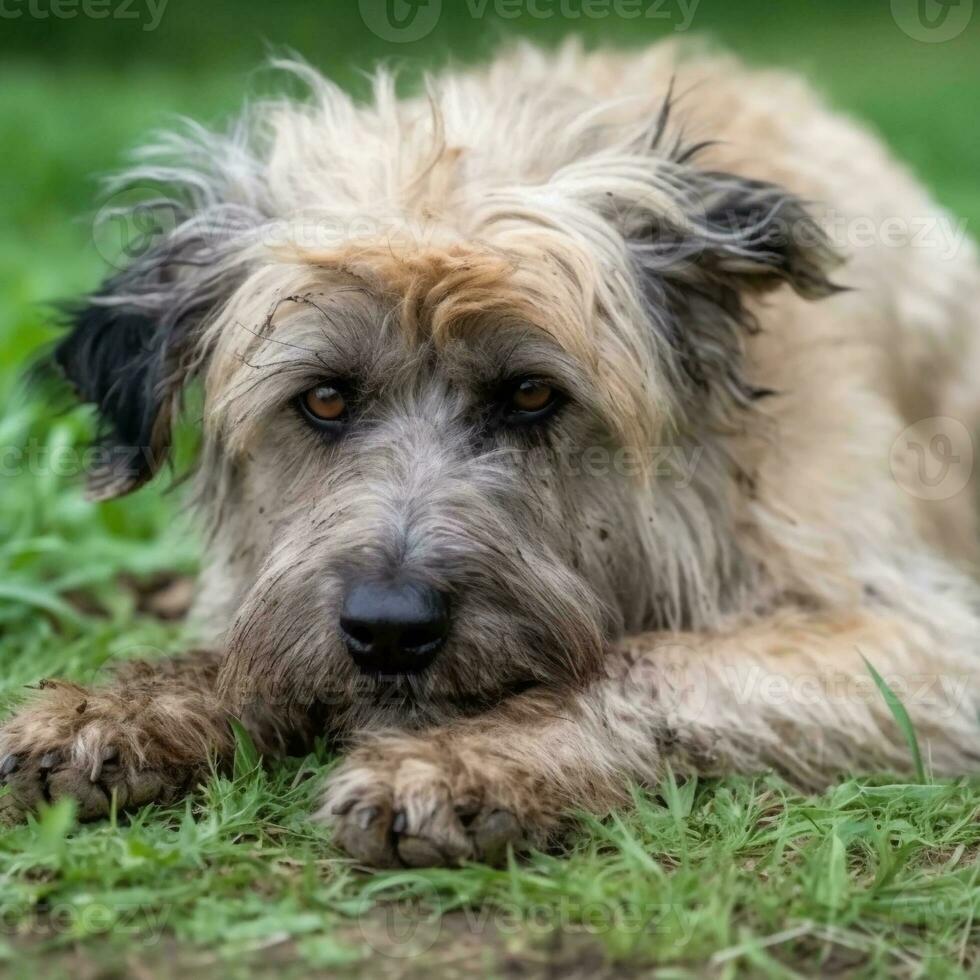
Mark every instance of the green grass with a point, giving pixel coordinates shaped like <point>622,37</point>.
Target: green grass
<point>724,878</point>
<point>875,877</point>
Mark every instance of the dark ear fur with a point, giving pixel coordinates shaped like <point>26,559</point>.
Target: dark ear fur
<point>125,352</point>
<point>129,349</point>
<point>736,237</point>
<point>756,236</point>
<point>113,358</point>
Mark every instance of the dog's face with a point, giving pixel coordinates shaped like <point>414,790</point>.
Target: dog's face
<point>427,458</point>
<point>415,461</point>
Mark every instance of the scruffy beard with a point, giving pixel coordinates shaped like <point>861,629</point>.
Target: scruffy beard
<point>348,701</point>
<point>285,654</point>
<point>409,702</point>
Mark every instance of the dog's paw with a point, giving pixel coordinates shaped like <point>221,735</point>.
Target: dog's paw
<point>91,746</point>
<point>411,802</point>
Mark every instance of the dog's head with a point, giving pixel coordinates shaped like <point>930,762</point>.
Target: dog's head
<point>452,394</point>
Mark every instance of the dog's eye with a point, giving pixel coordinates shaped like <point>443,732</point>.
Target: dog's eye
<point>324,405</point>
<point>529,400</point>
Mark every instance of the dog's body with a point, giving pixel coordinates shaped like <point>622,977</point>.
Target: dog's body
<point>600,406</point>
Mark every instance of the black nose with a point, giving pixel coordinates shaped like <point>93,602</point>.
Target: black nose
<point>393,627</point>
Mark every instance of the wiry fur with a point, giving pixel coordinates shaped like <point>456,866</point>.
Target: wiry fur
<point>658,258</point>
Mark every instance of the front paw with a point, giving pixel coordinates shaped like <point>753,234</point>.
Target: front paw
<point>94,747</point>
<point>410,802</point>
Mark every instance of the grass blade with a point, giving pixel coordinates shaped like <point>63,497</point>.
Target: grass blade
<point>247,758</point>
<point>901,717</point>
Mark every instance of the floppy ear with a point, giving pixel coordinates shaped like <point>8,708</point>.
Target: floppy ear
<point>752,235</point>
<point>129,349</point>
<point>727,237</point>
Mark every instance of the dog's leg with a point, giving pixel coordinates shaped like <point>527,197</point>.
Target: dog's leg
<point>147,736</point>
<point>790,693</point>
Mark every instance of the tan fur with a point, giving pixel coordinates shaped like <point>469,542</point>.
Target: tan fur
<point>622,621</point>
<point>147,737</point>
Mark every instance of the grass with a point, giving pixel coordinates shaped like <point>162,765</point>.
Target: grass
<point>872,877</point>
<point>734,877</point>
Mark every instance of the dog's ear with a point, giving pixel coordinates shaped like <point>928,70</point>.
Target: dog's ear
<point>722,239</point>
<point>130,347</point>
<point>750,235</point>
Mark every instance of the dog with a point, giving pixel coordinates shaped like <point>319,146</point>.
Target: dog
<point>559,430</point>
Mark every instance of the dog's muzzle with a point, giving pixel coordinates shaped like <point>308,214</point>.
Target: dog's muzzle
<point>393,627</point>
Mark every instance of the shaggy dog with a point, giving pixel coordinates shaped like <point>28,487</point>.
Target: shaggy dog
<point>555,432</point>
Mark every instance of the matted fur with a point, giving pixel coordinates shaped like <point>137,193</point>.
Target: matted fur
<point>693,560</point>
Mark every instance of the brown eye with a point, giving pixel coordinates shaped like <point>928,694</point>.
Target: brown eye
<point>324,403</point>
<point>531,396</point>
<point>529,401</point>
